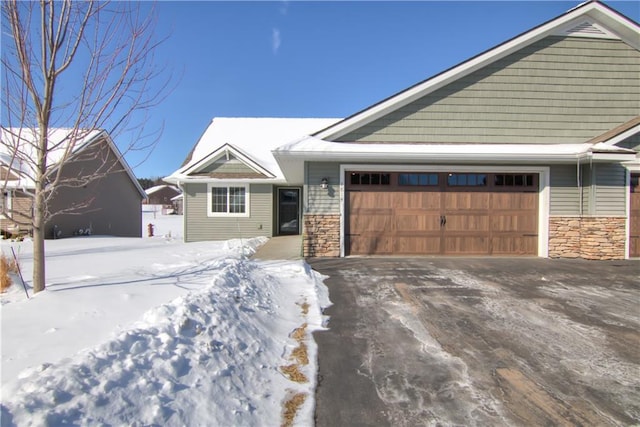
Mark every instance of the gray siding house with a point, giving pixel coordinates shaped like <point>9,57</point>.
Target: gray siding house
<point>232,186</point>
<point>108,204</point>
<point>530,148</point>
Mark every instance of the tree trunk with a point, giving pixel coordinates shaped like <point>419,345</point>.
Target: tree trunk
<point>38,257</point>
<point>39,210</point>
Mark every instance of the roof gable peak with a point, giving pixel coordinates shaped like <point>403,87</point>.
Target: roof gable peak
<point>591,19</point>
<point>586,28</point>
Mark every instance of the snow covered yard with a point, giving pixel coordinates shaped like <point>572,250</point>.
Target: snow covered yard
<point>154,331</point>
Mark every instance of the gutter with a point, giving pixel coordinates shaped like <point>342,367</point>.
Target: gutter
<point>455,157</point>
<point>188,180</point>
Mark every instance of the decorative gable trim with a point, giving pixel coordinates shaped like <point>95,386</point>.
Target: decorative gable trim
<point>226,152</point>
<point>588,29</point>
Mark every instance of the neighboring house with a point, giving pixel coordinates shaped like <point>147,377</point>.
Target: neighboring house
<point>177,204</point>
<point>161,195</point>
<point>110,203</point>
<point>530,148</point>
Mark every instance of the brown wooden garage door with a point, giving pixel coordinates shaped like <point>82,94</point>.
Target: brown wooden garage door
<point>634,217</point>
<point>441,213</point>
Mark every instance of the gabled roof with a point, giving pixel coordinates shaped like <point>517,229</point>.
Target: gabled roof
<point>592,19</point>
<point>17,147</point>
<point>157,188</point>
<point>226,151</point>
<point>250,140</point>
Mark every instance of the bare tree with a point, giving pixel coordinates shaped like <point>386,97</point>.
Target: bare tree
<point>84,67</point>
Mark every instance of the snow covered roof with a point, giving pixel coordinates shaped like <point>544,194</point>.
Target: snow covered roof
<point>251,139</point>
<point>291,155</point>
<point>18,149</point>
<point>157,188</point>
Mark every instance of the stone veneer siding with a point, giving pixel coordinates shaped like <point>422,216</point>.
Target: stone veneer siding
<point>321,236</point>
<point>589,237</point>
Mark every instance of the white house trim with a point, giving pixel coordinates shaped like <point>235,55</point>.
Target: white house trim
<point>226,149</point>
<point>247,201</point>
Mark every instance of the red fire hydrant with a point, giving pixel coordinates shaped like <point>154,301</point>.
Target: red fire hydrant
<point>150,230</point>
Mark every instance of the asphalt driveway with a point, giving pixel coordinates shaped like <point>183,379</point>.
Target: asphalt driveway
<point>479,341</point>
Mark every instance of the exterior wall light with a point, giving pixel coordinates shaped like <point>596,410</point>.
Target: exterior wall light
<point>324,183</point>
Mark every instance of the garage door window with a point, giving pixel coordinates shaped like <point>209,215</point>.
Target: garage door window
<point>359,178</point>
<point>467,180</point>
<point>514,180</point>
<point>421,179</point>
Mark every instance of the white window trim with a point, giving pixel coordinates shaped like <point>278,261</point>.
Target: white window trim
<point>543,192</point>
<point>247,200</point>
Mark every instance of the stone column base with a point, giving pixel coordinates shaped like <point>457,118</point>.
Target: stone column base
<point>597,238</point>
<point>321,236</point>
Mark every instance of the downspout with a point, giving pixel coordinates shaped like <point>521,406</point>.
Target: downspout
<point>579,185</point>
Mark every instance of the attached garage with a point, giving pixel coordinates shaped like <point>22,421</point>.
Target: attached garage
<point>441,213</point>
<point>524,149</point>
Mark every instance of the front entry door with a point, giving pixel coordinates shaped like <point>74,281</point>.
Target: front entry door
<point>288,211</point>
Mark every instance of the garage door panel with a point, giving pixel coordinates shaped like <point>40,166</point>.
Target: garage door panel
<point>416,201</point>
<point>369,244</point>
<point>417,245</point>
<point>372,223</point>
<point>514,245</point>
<point>471,201</point>
<point>514,222</point>
<point>466,223</point>
<point>416,222</point>
<point>515,201</point>
<point>466,245</point>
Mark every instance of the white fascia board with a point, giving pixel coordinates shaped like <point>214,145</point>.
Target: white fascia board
<point>627,30</point>
<point>633,165</point>
<point>617,24</point>
<point>413,157</point>
<point>622,136</point>
<point>184,179</point>
<point>610,157</point>
<point>222,150</point>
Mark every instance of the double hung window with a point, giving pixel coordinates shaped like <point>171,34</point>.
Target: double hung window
<point>232,200</point>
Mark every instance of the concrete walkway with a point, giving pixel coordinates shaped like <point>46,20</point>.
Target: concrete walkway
<point>280,247</point>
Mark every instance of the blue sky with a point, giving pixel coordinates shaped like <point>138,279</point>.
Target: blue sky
<point>315,59</point>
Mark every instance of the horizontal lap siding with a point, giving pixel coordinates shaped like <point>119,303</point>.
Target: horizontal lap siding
<point>603,190</point>
<point>317,199</point>
<point>222,165</point>
<point>559,90</point>
<point>115,200</point>
<point>564,192</point>
<point>610,190</point>
<point>199,227</point>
